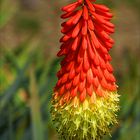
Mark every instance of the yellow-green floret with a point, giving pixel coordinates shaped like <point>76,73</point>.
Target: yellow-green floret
<point>86,121</point>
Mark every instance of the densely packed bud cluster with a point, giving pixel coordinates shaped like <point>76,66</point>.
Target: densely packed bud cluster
<point>85,97</point>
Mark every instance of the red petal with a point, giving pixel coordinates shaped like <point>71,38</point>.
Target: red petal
<point>90,6</point>
<point>86,64</point>
<point>90,50</point>
<point>102,63</point>
<point>99,72</point>
<point>90,90</point>
<point>90,24</point>
<point>79,67</point>
<point>82,86</point>
<point>89,76</point>
<point>82,75</point>
<point>66,37</point>
<point>103,13</point>
<point>96,60</point>
<point>84,43</point>
<point>95,81</point>
<point>72,73</point>
<point>109,67</point>
<point>104,83</point>
<point>77,17</point>
<point>70,7</point>
<point>83,95</point>
<point>94,40</point>
<point>74,92</point>
<point>62,90</point>
<point>69,14</point>
<point>76,29</point>
<point>76,80</point>
<point>109,76</point>
<point>101,7</point>
<point>84,28</point>
<point>99,91</point>
<point>75,43</point>
<point>85,13</point>
<point>68,85</point>
<point>66,96</point>
<point>64,78</point>
<point>70,66</point>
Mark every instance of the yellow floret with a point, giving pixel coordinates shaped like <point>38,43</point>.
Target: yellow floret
<point>87,120</point>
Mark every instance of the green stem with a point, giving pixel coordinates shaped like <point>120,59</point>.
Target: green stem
<point>37,126</point>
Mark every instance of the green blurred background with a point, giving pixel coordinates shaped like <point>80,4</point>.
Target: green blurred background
<point>29,41</point>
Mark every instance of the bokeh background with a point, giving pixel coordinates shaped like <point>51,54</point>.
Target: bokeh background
<point>29,41</point>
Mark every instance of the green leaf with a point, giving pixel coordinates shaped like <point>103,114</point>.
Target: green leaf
<point>7,10</point>
<point>37,124</point>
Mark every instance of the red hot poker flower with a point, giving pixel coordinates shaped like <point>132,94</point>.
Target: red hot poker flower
<point>85,44</point>
<point>86,75</point>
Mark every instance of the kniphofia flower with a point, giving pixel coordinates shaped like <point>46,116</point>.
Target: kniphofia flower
<point>85,99</point>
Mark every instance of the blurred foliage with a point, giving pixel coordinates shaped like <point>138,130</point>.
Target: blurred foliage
<point>29,34</point>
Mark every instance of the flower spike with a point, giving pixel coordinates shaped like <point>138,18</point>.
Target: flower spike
<point>85,99</point>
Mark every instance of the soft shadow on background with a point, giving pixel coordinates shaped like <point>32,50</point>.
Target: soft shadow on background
<point>29,41</point>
